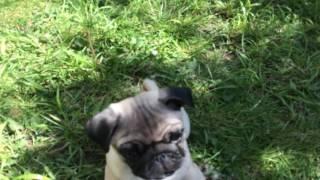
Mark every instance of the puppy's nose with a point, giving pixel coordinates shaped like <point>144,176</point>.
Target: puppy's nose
<point>169,161</point>
<point>163,158</point>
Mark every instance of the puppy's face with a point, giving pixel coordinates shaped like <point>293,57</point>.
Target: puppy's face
<point>146,130</point>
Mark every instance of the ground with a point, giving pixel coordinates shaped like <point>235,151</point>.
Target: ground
<point>253,66</point>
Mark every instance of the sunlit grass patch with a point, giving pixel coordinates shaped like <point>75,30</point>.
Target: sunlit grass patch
<point>288,164</point>
<point>278,161</point>
<point>253,67</point>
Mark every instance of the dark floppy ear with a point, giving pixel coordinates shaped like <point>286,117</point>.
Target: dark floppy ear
<point>176,97</point>
<point>102,127</point>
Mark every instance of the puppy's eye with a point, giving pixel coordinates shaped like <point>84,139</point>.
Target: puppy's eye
<point>174,136</point>
<point>132,149</point>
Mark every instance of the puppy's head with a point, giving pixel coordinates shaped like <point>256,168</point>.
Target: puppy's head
<point>145,130</point>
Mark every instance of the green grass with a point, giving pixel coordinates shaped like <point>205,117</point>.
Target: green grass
<point>253,66</point>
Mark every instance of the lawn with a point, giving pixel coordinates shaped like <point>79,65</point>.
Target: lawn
<point>253,66</point>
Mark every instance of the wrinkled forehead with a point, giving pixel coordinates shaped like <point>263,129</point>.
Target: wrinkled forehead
<point>144,116</point>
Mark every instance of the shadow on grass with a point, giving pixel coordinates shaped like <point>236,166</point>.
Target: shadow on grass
<point>69,154</point>
<point>303,8</point>
<point>235,122</point>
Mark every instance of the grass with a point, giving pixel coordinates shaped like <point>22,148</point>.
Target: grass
<point>253,66</point>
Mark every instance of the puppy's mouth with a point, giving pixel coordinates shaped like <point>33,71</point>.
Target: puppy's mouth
<point>160,166</point>
<point>157,176</point>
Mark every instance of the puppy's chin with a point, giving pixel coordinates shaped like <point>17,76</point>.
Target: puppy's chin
<point>161,177</point>
<point>155,176</point>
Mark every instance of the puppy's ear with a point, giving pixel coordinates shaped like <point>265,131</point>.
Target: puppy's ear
<point>175,98</point>
<point>149,85</point>
<point>102,127</point>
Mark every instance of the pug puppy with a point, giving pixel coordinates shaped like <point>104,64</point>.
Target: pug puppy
<point>145,136</point>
